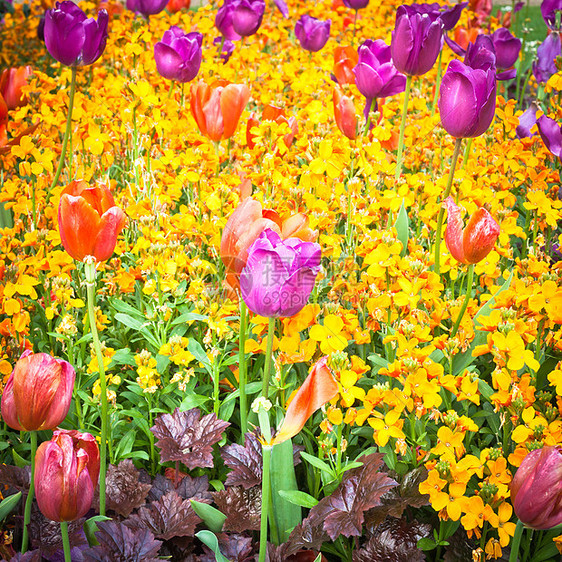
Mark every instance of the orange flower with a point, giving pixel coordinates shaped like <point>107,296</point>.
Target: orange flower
<point>89,221</point>
<point>174,6</point>
<point>272,113</point>
<point>318,388</point>
<point>217,110</point>
<point>344,112</point>
<point>345,58</point>
<point>11,83</point>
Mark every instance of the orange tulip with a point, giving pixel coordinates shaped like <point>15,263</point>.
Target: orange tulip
<point>272,113</point>
<point>318,388</point>
<point>344,112</point>
<point>11,83</point>
<point>89,221</point>
<point>345,58</point>
<point>174,6</point>
<point>245,225</point>
<point>217,110</point>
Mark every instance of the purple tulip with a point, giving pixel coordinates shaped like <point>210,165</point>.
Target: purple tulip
<point>312,33</point>
<point>375,74</point>
<point>467,100</point>
<point>549,8</point>
<point>551,134</point>
<point>545,66</point>
<point>224,52</point>
<point>416,41</point>
<point>481,54</point>
<point>146,7</point>
<point>223,20</point>
<point>356,4</point>
<point>281,5</point>
<point>507,47</point>
<point>178,55</point>
<point>247,16</point>
<point>279,275</point>
<point>448,15</point>
<point>73,39</point>
<point>536,489</point>
<point>527,120</point>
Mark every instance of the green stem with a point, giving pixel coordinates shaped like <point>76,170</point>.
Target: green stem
<point>66,132</point>
<point>368,123</point>
<point>65,541</point>
<point>466,153</point>
<point>402,128</point>
<point>456,152</point>
<point>466,299</point>
<point>242,368</point>
<point>516,542</point>
<point>90,270</point>
<point>29,500</point>
<point>437,83</point>
<point>265,497</point>
<point>268,354</point>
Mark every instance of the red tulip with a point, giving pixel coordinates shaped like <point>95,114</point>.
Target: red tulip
<point>174,6</point>
<point>89,221</point>
<point>38,393</point>
<point>344,112</point>
<point>11,83</point>
<point>476,241</point>
<point>345,59</point>
<point>318,388</point>
<point>66,473</point>
<point>217,110</point>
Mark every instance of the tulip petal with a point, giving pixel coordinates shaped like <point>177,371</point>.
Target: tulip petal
<point>296,290</point>
<point>9,414</point>
<point>454,230</point>
<point>232,103</point>
<point>551,134</point>
<point>479,236</point>
<point>318,388</point>
<point>168,61</point>
<point>111,224</point>
<point>63,397</point>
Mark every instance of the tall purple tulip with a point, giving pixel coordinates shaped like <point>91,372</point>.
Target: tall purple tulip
<point>551,134</point>
<point>481,54</point>
<point>375,73</point>
<point>247,16</point>
<point>312,33</point>
<point>536,489</point>
<point>178,55</point>
<point>416,41</point>
<point>279,275</point>
<point>544,67</point>
<point>448,15</point>
<point>507,47</point>
<point>527,120</point>
<point>356,4</point>
<point>146,7</point>
<point>223,20</point>
<point>73,39</point>
<point>467,100</point>
<point>548,11</point>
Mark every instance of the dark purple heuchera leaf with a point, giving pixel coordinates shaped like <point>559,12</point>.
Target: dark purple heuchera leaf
<point>187,437</point>
<point>241,507</point>
<point>118,542</point>
<point>15,477</point>
<point>171,516</point>
<point>237,548</point>
<point>396,500</point>
<point>29,556</point>
<point>44,534</point>
<point>124,492</point>
<point>245,462</point>
<point>189,488</point>
<point>395,540</point>
<point>361,489</point>
<point>309,535</point>
<point>460,548</point>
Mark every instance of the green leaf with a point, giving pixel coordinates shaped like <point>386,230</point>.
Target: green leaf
<point>427,544</point>
<point>211,516</point>
<point>90,528</point>
<point>123,357</point>
<point>129,321</point>
<point>198,352</point>
<point>19,461</point>
<point>297,497</point>
<point>316,462</point>
<point>378,361</point>
<point>189,317</point>
<point>8,504</point>
<point>402,228</point>
<point>210,540</point>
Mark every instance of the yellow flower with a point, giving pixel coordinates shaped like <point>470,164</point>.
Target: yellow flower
<point>329,334</point>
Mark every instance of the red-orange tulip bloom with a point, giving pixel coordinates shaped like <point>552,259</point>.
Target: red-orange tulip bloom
<point>245,225</point>
<point>476,241</point>
<point>272,113</point>
<point>344,112</point>
<point>217,110</point>
<point>89,221</point>
<point>345,59</point>
<point>318,388</point>
<point>174,6</point>
<point>11,83</point>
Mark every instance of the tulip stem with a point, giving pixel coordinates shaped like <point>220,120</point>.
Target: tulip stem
<point>437,83</point>
<point>66,132</point>
<point>368,122</point>
<point>456,152</point>
<point>466,299</point>
<point>466,154</point>
<point>268,354</point>
<point>65,541</point>
<point>242,368</point>
<point>516,542</point>
<point>90,270</point>
<point>265,498</point>
<point>30,494</point>
<point>402,129</point>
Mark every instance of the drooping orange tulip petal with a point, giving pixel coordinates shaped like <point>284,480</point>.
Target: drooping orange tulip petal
<point>480,236</point>
<point>272,112</point>
<point>453,232</point>
<point>214,115</point>
<point>345,58</point>
<point>11,83</point>
<point>199,95</point>
<point>233,101</point>
<point>111,224</point>
<point>272,216</point>
<point>297,227</point>
<point>344,113</point>
<point>318,388</point>
<point>79,225</point>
